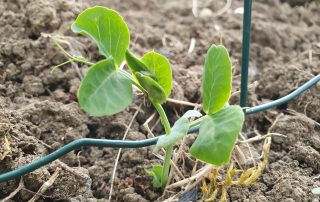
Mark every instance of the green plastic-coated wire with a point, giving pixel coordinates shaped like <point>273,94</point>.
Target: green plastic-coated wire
<point>143,143</point>
<point>245,52</point>
<point>284,99</point>
<point>72,146</point>
<point>138,143</point>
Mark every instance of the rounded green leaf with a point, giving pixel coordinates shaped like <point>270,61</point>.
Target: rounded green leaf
<point>178,131</point>
<point>192,113</point>
<point>217,136</point>
<point>156,174</point>
<point>107,28</point>
<point>159,66</point>
<point>154,90</point>
<point>153,65</point>
<point>135,64</point>
<point>104,90</point>
<point>217,81</point>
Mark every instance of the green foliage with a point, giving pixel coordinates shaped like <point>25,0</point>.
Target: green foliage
<point>159,66</point>
<point>136,65</point>
<point>107,28</point>
<point>104,90</point>
<point>156,173</point>
<point>153,73</point>
<point>220,128</point>
<point>155,91</point>
<point>178,131</point>
<point>216,84</point>
<point>217,136</point>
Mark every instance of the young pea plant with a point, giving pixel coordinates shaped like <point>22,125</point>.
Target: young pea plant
<point>107,89</point>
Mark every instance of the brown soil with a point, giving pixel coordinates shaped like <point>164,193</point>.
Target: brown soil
<point>39,112</point>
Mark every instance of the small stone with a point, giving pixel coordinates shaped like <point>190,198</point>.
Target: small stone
<point>206,12</point>
<point>33,85</point>
<point>134,198</point>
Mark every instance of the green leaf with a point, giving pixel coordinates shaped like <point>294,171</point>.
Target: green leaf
<point>107,28</point>
<point>154,90</point>
<point>153,65</point>
<point>160,67</point>
<point>136,65</point>
<point>192,113</point>
<point>156,173</point>
<point>104,90</point>
<point>178,131</point>
<point>217,81</point>
<point>217,136</point>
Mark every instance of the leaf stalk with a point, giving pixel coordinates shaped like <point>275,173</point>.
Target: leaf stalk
<point>169,150</point>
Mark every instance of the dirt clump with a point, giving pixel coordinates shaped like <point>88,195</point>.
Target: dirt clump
<point>25,145</point>
<point>39,112</point>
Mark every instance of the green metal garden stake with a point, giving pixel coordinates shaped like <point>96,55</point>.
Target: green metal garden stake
<point>245,52</point>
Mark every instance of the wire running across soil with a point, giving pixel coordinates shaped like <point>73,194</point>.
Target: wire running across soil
<point>139,143</point>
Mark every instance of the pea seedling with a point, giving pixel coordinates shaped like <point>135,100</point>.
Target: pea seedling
<point>107,89</point>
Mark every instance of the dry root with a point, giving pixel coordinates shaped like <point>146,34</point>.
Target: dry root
<point>46,185</point>
<point>211,187</point>
<point>6,148</point>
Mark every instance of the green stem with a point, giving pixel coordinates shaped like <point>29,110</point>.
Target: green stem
<point>163,117</point>
<point>196,122</point>
<point>68,55</point>
<point>82,60</point>
<point>85,61</point>
<point>60,65</point>
<point>168,155</point>
<point>166,166</point>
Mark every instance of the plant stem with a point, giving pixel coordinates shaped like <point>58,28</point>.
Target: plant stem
<point>168,155</point>
<point>163,117</point>
<point>60,65</point>
<point>166,166</point>
<point>68,55</point>
<point>196,122</point>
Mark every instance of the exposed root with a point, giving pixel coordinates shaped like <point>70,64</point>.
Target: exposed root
<point>239,156</point>
<point>119,152</point>
<point>6,148</point>
<point>224,9</point>
<point>192,45</point>
<point>8,198</point>
<point>88,180</point>
<point>262,137</point>
<point>46,185</point>
<point>250,151</point>
<point>194,8</point>
<point>183,102</point>
<point>75,48</point>
<point>180,175</point>
<point>172,163</point>
<point>251,86</point>
<point>202,172</point>
<point>248,177</point>
<point>178,155</point>
<point>146,124</point>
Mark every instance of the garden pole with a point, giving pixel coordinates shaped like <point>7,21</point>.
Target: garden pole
<point>245,52</point>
